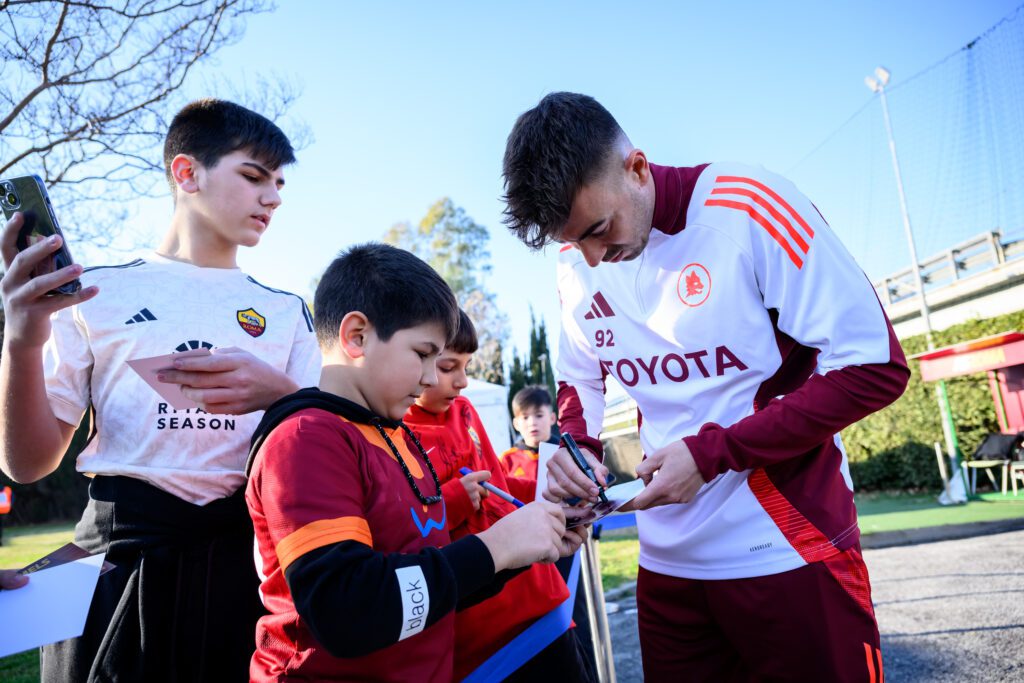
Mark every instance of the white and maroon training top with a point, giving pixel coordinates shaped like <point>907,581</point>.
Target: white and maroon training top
<point>746,329</point>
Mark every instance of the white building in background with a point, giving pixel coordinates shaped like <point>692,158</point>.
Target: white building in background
<point>491,403</point>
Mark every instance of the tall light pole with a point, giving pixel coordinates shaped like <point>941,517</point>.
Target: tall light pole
<point>877,84</point>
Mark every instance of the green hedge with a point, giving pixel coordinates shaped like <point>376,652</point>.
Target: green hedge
<point>894,448</point>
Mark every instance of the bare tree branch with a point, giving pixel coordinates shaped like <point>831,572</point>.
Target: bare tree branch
<point>53,39</point>
<point>88,89</point>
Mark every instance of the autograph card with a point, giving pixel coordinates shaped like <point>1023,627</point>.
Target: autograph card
<point>618,497</point>
<point>147,369</point>
<point>52,606</point>
<point>62,555</point>
<point>544,453</point>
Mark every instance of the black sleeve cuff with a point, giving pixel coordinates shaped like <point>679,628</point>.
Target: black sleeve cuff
<point>493,587</point>
<point>470,562</point>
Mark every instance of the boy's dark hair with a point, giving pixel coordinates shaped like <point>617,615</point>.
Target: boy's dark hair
<point>553,150</point>
<point>533,396</point>
<point>392,288</point>
<point>465,340</point>
<point>210,129</point>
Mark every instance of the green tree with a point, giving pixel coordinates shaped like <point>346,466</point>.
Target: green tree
<point>456,247</point>
<point>536,366</point>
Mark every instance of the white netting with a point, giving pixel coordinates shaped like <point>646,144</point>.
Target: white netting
<point>959,131</point>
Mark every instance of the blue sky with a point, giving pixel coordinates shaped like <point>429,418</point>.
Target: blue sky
<point>409,102</point>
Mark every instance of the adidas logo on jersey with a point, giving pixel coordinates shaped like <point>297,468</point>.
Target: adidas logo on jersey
<point>599,308</point>
<point>766,208</point>
<point>140,317</point>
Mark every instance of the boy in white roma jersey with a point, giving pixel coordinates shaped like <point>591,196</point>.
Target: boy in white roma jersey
<point>166,502</point>
<point>721,300</point>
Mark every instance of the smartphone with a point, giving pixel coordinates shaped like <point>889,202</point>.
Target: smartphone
<point>28,195</point>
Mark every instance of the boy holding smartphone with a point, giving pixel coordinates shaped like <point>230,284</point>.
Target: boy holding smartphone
<point>166,499</point>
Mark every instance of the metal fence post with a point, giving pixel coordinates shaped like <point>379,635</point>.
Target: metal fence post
<point>593,589</point>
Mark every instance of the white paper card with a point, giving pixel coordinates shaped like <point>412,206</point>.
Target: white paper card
<point>51,607</point>
<point>544,453</point>
<point>618,497</point>
<point>147,369</point>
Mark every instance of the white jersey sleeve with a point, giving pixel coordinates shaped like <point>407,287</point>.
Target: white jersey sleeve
<point>304,360</point>
<point>804,272</point>
<point>822,301</point>
<point>67,366</point>
<point>580,399</point>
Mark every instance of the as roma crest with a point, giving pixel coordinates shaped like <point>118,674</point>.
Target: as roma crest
<point>694,285</point>
<point>252,322</point>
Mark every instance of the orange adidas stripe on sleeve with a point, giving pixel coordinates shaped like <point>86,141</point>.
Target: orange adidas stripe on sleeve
<point>764,223</point>
<point>771,193</point>
<point>760,201</point>
<point>320,533</point>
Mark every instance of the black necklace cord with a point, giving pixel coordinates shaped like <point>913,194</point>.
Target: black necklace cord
<point>426,500</point>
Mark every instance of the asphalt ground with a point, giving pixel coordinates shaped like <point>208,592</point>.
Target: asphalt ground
<point>948,611</point>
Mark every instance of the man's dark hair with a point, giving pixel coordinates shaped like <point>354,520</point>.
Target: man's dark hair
<point>210,129</point>
<point>465,340</point>
<point>392,288</point>
<point>553,150</point>
<point>533,396</point>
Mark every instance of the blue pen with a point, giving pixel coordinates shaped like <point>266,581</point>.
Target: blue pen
<point>504,495</point>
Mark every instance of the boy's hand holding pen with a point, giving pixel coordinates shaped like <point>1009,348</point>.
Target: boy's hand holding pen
<point>474,484</point>
<point>491,488</point>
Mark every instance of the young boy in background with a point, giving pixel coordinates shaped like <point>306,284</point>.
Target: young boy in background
<point>533,417</point>
<point>360,575</point>
<point>166,501</point>
<point>449,428</point>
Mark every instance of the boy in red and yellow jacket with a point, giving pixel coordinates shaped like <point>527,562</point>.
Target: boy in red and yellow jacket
<point>359,574</point>
<point>452,433</point>
<point>533,418</point>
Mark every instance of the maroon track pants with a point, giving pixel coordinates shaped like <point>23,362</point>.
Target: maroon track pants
<point>813,624</point>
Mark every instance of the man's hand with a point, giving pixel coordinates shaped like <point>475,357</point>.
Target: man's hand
<point>230,381</point>
<point>678,478</point>
<point>471,482</point>
<point>567,480</point>
<point>11,579</point>
<point>26,305</point>
<point>530,534</point>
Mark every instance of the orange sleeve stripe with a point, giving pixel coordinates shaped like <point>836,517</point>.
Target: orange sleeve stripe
<point>320,533</point>
<point>870,657</point>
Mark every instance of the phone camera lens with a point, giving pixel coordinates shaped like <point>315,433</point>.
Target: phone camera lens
<point>12,199</point>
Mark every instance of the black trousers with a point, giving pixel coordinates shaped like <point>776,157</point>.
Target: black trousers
<point>182,602</point>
